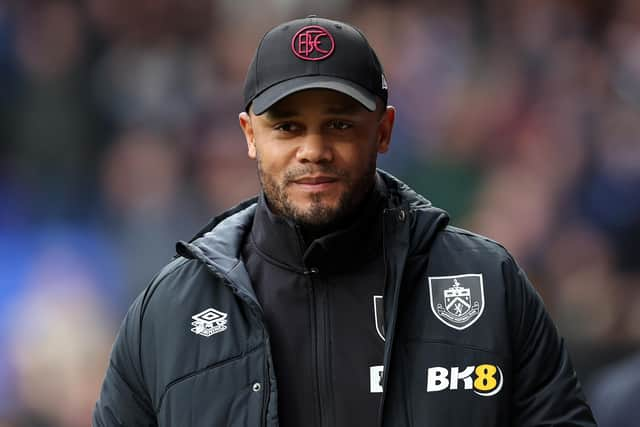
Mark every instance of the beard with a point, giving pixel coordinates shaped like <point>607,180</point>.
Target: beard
<point>318,214</point>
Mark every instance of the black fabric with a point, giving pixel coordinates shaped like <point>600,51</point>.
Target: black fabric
<point>164,372</point>
<point>317,299</point>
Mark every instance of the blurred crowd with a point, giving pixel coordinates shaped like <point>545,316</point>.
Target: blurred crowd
<point>119,136</point>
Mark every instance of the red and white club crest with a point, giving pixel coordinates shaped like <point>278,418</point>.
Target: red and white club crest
<point>312,43</point>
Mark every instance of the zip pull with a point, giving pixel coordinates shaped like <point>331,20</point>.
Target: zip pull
<point>312,270</point>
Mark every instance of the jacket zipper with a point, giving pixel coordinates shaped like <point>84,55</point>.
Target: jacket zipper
<point>267,383</point>
<point>387,337</point>
<point>321,342</point>
<point>389,328</point>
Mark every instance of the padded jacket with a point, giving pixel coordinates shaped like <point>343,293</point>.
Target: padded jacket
<point>468,341</point>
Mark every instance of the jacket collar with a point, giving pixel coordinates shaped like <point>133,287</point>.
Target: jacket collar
<point>219,243</point>
<point>281,242</point>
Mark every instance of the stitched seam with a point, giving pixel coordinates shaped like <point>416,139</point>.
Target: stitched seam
<point>150,291</point>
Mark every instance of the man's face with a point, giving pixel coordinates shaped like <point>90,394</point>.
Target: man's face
<point>316,152</point>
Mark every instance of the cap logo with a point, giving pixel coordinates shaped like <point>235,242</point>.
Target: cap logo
<point>312,43</point>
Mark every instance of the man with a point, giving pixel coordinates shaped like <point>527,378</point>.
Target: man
<point>338,297</point>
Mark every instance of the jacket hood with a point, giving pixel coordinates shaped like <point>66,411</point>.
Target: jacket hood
<point>220,241</point>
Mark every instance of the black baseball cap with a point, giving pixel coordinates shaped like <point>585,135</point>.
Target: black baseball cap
<point>314,53</point>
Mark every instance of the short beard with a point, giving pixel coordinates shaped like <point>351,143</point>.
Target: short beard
<point>317,216</point>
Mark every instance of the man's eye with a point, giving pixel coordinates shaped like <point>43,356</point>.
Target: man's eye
<point>340,125</point>
<point>286,127</point>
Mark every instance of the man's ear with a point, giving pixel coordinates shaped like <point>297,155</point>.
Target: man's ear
<point>249,136</point>
<point>385,127</point>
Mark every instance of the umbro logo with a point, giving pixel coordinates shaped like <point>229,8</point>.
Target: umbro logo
<point>209,322</point>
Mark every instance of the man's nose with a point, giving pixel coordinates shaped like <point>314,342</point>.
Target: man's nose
<point>315,148</point>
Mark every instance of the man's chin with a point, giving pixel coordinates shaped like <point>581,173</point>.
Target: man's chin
<point>316,216</point>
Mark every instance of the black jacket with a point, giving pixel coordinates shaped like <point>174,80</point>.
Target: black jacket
<point>467,339</point>
<point>319,294</point>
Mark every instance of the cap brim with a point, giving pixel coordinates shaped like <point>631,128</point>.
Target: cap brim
<point>275,93</point>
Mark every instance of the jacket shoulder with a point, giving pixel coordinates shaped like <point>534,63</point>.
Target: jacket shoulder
<point>166,280</point>
<point>460,240</point>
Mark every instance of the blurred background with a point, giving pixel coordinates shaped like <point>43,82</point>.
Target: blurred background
<point>119,136</point>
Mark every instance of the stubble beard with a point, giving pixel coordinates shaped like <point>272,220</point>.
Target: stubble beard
<point>316,215</point>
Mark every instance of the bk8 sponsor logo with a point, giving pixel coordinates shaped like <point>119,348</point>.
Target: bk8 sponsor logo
<point>484,380</point>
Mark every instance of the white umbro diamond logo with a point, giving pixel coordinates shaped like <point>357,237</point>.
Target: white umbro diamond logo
<point>209,322</point>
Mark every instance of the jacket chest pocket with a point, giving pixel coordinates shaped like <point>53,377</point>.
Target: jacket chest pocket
<point>230,393</point>
<point>452,385</point>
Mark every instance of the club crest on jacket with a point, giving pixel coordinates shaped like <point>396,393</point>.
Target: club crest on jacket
<point>457,301</point>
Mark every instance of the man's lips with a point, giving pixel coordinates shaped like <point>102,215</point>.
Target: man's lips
<point>315,183</point>
<point>315,180</point>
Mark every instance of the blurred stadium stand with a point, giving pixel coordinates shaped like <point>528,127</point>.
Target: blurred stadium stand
<point>118,136</point>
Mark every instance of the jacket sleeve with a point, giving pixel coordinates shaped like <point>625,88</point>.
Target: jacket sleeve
<point>124,400</point>
<point>546,389</point>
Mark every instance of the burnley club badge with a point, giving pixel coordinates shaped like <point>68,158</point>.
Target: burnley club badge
<point>457,301</point>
